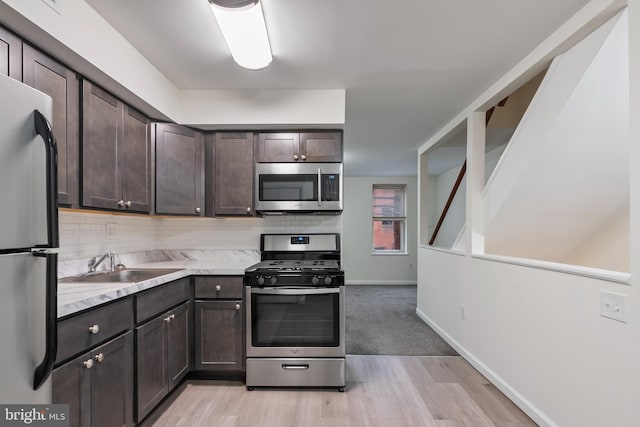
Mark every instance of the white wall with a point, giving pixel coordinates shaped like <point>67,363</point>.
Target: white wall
<point>535,333</point>
<point>608,248</point>
<point>360,266</point>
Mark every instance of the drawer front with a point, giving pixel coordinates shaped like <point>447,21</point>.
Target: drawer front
<point>298,372</point>
<point>159,299</point>
<point>219,287</point>
<point>79,333</point>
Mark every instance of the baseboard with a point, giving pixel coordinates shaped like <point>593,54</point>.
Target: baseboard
<point>380,282</point>
<point>520,401</point>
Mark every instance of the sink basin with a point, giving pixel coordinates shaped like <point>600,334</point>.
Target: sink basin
<point>126,275</point>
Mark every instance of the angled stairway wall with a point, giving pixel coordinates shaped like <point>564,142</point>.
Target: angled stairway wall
<point>565,170</point>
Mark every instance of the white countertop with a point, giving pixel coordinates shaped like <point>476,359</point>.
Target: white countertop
<point>77,296</point>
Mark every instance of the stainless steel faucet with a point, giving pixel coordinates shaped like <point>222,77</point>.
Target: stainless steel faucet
<point>97,260</point>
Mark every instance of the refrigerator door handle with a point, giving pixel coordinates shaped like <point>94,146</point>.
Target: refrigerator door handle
<point>43,370</point>
<point>43,128</point>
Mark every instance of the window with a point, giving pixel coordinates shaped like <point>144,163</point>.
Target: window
<point>389,235</point>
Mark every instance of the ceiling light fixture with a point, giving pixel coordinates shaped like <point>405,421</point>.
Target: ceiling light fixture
<point>242,25</point>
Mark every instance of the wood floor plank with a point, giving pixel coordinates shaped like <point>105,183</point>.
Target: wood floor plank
<point>382,391</point>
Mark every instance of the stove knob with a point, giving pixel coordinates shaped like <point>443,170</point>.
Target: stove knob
<point>315,281</point>
<point>274,280</point>
<point>260,280</point>
<point>327,280</point>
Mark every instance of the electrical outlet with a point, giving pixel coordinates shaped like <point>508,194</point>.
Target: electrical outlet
<point>463,312</point>
<point>613,306</point>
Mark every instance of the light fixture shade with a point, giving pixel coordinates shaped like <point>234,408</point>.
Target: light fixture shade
<point>245,32</point>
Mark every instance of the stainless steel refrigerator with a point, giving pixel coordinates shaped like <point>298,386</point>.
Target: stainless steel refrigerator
<point>28,238</point>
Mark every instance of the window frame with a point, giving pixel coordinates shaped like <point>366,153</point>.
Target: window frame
<point>400,219</point>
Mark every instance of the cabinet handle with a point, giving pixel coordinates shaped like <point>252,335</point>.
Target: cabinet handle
<point>218,288</point>
<point>303,157</point>
<point>127,204</point>
<point>172,316</point>
<point>167,319</point>
<point>88,363</point>
<point>197,210</point>
<point>248,210</point>
<point>121,203</point>
<point>295,157</point>
<point>94,329</point>
<point>238,306</point>
<point>99,357</point>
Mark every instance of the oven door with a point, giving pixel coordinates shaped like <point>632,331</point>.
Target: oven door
<point>295,322</point>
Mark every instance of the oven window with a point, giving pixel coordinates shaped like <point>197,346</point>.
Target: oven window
<point>295,320</point>
<point>288,188</point>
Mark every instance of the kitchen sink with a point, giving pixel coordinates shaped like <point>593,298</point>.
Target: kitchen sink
<point>126,275</point>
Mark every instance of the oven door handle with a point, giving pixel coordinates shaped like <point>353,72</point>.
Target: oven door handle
<point>296,291</point>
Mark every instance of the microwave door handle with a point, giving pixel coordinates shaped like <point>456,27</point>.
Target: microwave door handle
<point>319,187</point>
<point>43,128</point>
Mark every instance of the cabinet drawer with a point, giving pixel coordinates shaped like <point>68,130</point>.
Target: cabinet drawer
<point>161,298</point>
<point>79,333</point>
<point>222,287</point>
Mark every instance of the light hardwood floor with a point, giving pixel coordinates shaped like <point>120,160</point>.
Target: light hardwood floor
<point>382,391</point>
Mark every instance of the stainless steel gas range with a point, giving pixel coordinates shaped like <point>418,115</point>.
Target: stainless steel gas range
<point>295,313</point>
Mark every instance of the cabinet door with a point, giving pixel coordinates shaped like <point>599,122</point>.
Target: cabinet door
<point>62,85</point>
<point>234,169</point>
<point>135,161</point>
<point>112,383</point>
<point>151,365</point>
<point>71,385</point>
<point>10,54</point>
<point>179,170</point>
<point>101,131</point>
<point>278,147</point>
<point>321,147</point>
<point>178,344</point>
<point>218,336</point>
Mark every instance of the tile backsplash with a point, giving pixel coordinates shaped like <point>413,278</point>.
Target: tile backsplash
<point>86,234</point>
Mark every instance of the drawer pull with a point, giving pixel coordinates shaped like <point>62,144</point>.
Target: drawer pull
<point>88,363</point>
<point>94,329</point>
<point>99,357</point>
<point>238,306</point>
<point>295,367</point>
<point>218,288</point>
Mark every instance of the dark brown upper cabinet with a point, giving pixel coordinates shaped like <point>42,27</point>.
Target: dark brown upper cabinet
<point>180,175</point>
<point>62,85</point>
<point>300,147</point>
<point>136,161</point>
<point>230,169</point>
<point>115,153</point>
<point>10,54</point>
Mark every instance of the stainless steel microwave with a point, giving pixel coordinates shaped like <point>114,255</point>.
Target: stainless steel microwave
<point>298,188</point>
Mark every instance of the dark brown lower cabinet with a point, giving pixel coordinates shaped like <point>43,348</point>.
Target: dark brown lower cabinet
<point>219,335</point>
<point>162,357</point>
<point>98,385</point>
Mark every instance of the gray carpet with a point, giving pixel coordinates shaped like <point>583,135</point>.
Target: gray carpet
<point>382,320</point>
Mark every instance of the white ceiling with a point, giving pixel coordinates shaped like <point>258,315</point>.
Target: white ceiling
<point>408,67</point>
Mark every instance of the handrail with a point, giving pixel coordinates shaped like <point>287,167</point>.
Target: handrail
<point>447,205</point>
<point>456,185</point>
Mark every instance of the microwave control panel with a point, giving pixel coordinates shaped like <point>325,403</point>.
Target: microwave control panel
<point>330,187</point>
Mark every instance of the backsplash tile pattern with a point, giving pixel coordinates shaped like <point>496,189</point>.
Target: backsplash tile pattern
<point>83,235</point>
